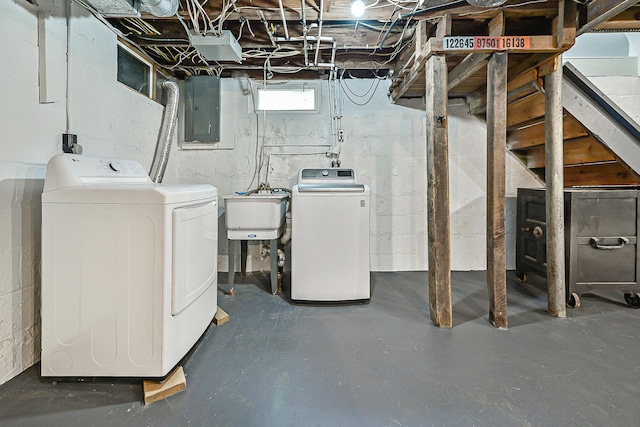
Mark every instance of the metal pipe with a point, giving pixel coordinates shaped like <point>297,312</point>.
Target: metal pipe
<point>167,131</point>
<point>334,48</point>
<point>315,62</point>
<point>161,8</point>
<point>554,177</point>
<point>304,35</point>
<point>284,21</point>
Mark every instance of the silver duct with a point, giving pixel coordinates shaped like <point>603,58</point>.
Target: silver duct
<point>167,131</point>
<point>161,8</point>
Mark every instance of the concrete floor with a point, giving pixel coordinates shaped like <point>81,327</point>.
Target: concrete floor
<point>380,364</point>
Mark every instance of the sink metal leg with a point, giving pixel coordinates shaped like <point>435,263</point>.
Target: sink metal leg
<point>231,248</point>
<point>243,258</point>
<point>274,266</point>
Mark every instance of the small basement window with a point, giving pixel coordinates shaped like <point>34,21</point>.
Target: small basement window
<point>288,98</point>
<point>134,71</point>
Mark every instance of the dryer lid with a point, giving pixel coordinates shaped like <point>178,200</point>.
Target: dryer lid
<point>72,170</point>
<point>72,178</point>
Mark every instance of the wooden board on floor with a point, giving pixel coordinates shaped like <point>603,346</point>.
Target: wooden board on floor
<point>158,390</point>
<point>221,317</point>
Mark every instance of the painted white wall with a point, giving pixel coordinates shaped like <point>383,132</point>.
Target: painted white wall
<point>606,54</point>
<point>385,144</point>
<point>602,55</point>
<point>109,118</point>
<point>624,91</point>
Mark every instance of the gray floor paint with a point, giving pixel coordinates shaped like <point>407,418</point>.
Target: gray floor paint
<point>380,364</point>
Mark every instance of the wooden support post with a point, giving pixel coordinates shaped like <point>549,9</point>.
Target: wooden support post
<point>496,192</point>
<point>438,192</point>
<point>554,177</point>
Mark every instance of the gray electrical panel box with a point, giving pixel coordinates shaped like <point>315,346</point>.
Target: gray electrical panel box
<point>202,109</point>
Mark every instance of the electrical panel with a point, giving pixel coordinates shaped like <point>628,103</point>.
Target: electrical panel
<point>202,109</point>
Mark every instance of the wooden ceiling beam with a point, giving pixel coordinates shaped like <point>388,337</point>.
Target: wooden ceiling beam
<point>475,61</point>
<point>598,11</point>
<point>619,25</point>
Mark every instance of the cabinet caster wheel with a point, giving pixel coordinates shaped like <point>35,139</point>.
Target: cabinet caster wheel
<point>633,300</point>
<point>573,301</point>
<point>521,277</point>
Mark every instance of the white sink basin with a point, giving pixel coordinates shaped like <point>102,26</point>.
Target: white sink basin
<point>255,217</point>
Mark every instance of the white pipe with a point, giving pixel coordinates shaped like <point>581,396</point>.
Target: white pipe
<point>284,21</point>
<point>299,39</point>
<point>167,131</point>
<point>286,236</point>
<point>297,145</point>
<point>161,8</point>
<point>317,39</point>
<point>319,32</point>
<point>333,52</point>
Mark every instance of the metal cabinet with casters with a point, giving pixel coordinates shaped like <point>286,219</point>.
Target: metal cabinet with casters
<point>601,231</point>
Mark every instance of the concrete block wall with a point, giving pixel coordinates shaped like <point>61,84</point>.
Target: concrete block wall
<point>109,118</point>
<point>385,144</point>
<point>624,91</point>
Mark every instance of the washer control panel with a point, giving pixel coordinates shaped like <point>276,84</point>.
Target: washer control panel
<point>336,176</point>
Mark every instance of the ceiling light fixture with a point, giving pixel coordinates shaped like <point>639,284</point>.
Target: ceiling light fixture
<point>357,8</point>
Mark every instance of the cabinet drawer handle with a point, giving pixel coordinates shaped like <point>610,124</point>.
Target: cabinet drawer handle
<point>595,242</point>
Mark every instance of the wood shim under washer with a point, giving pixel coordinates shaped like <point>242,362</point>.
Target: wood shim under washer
<point>221,317</point>
<point>158,390</point>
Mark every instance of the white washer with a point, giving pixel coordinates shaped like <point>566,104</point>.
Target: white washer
<point>129,269</point>
<point>330,237</point>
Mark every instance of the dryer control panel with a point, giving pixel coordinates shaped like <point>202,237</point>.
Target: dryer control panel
<point>72,170</point>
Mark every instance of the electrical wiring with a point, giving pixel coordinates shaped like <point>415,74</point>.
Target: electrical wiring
<point>133,23</point>
<point>151,29</point>
<point>243,21</point>
<point>159,52</point>
<point>287,70</point>
<point>370,92</point>
<point>398,4</point>
<point>132,30</point>
<point>505,6</point>
<point>419,12</point>
<point>287,154</point>
<point>260,54</point>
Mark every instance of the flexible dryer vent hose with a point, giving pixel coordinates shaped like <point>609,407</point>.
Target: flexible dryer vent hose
<point>167,131</point>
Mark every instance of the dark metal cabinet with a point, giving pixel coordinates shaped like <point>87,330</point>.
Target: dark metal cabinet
<point>601,231</point>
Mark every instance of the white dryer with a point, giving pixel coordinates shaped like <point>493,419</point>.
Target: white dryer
<point>330,237</point>
<point>129,269</point>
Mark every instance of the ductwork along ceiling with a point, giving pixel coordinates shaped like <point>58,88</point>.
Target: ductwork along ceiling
<point>311,38</point>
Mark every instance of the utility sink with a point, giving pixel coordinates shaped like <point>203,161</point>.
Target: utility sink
<point>258,216</point>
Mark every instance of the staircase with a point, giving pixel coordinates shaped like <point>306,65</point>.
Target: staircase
<point>601,143</point>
